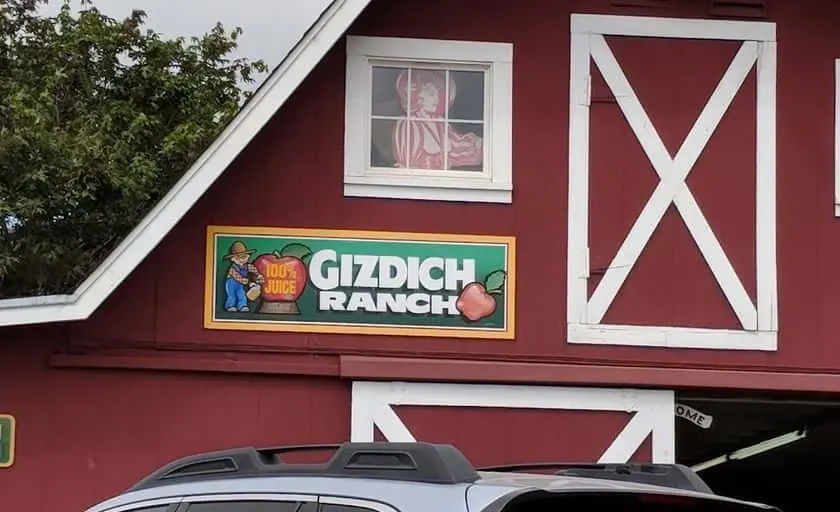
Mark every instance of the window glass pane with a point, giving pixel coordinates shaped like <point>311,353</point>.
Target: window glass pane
<point>330,507</point>
<point>423,148</point>
<point>384,99</point>
<point>422,92</point>
<point>466,146</point>
<point>252,506</point>
<point>159,508</point>
<point>468,90</point>
<point>383,135</point>
<point>409,125</point>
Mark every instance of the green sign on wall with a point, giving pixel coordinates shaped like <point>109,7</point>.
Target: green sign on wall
<point>7,440</point>
<point>360,282</point>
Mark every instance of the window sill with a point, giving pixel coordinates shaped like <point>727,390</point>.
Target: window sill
<point>424,192</point>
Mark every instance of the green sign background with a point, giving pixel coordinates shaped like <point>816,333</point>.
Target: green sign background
<point>7,441</point>
<point>488,258</point>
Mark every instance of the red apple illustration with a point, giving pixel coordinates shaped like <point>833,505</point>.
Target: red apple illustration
<point>476,301</point>
<point>285,277</point>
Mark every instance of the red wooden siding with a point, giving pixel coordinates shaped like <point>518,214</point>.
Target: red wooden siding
<point>291,176</point>
<point>85,435</point>
<point>490,436</point>
<point>671,284</point>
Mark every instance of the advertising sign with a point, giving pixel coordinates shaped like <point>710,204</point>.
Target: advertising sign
<point>360,282</point>
<point>7,440</point>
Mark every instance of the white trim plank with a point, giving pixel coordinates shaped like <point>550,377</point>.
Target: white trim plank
<point>765,156</point>
<point>653,410</point>
<point>677,28</point>
<point>758,320</point>
<point>672,337</point>
<point>837,137</point>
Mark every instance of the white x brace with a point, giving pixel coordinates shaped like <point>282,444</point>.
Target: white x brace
<point>672,186</point>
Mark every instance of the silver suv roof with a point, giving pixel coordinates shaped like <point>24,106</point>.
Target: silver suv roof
<point>408,476</point>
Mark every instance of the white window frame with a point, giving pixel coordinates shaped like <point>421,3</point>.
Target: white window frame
<point>372,406</point>
<point>759,327</point>
<point>495,185</point>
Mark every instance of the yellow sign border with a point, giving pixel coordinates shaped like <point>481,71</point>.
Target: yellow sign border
<point>13,424</point>
<point>510,311</point>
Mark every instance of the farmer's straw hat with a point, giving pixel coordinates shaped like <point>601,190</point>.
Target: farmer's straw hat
<point>238,248</point>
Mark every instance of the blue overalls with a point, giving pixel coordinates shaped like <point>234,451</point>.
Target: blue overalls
<point>235,291</point>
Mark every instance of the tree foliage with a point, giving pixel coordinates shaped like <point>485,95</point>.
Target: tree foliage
<point>98,118</point>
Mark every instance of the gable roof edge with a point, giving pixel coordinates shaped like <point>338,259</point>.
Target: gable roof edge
<point>321,36</point>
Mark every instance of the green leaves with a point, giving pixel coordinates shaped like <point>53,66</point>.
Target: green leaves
<point>98,118</point>
<point>494,283</point>
<point>294,250</point>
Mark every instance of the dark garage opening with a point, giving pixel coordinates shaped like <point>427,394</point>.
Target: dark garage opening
<point>771,448</point>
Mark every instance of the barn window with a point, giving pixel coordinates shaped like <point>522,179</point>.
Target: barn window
<point>428,119</point>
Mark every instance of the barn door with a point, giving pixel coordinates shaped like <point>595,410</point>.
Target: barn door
<point>496,424</point>
<point>745,154</point>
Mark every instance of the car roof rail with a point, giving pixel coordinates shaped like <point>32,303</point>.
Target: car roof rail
<point>676,476</point>
<point>414,462</point>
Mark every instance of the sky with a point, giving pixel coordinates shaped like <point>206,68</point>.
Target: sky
<point>270,27</point>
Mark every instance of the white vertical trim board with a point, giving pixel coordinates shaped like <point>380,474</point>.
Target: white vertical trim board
<point>585,315</point>
<point>837,137</point>
<point>653,410</point>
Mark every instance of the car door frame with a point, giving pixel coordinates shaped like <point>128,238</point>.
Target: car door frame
<point>173,503</point>
<point>183,504</point>
<point>365,504</point>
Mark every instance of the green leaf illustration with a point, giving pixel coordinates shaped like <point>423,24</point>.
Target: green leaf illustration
<point>296,250</point>
<point>495,281</point>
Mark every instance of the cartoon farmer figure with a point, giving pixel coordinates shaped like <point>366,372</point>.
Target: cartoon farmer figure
<point>243,280</point>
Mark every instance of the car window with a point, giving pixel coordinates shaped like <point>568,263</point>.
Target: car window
<point>156,508</point>
<point>332,507</point>
<point>252,506</point>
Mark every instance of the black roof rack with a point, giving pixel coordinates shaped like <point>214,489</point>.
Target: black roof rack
<point>415,462</point>
<point>675,476</point>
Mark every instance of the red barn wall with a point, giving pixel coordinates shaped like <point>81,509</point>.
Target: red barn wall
<point>85,435</point>
<point>291,176</point>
